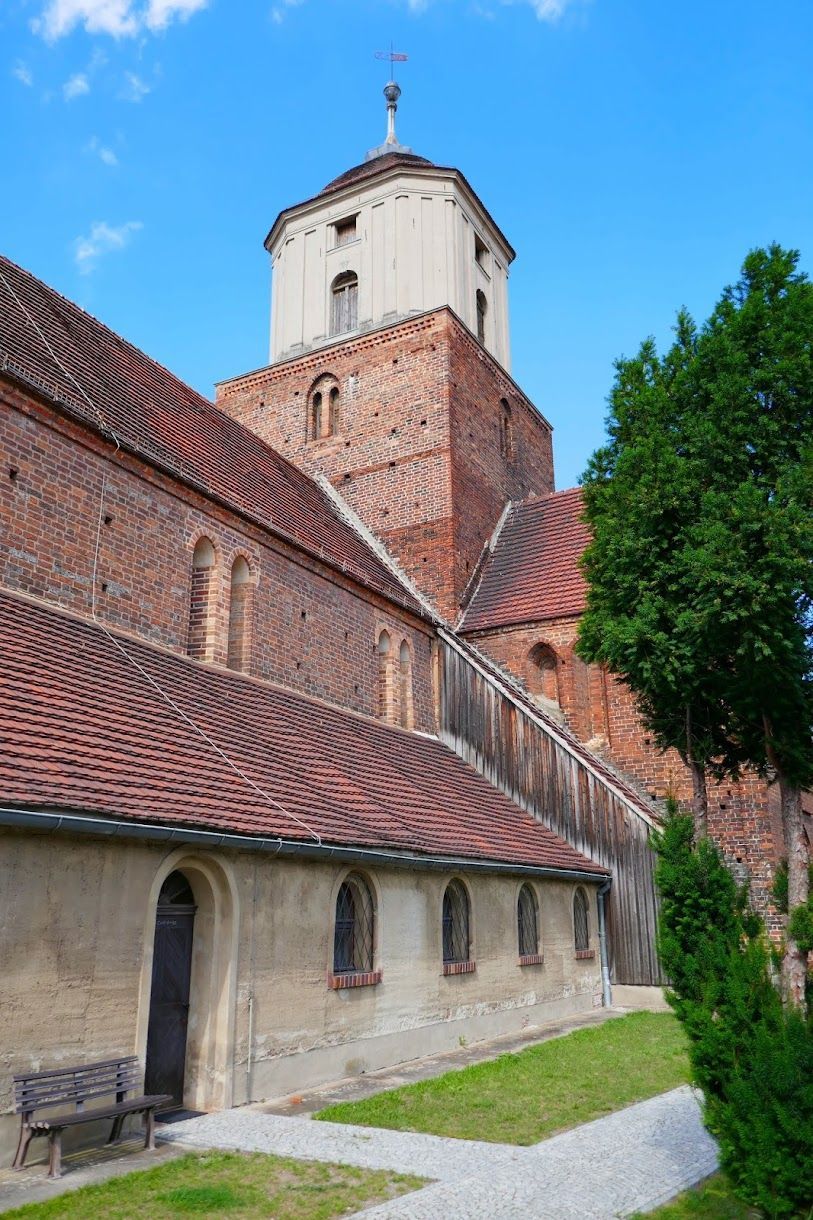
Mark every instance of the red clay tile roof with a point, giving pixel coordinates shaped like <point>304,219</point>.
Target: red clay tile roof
<point>376,165</point>
<point>168,423</point>
<point>81,729</point>
<point>534,571</point>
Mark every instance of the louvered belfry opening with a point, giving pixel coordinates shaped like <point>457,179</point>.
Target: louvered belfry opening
<point>345,303</point>
<point>455,924</point>
<point>581,921</point>
<point>527,923</point>
<point>353,940</point>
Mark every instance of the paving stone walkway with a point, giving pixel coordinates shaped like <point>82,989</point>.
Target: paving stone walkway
<point>630,1161</point>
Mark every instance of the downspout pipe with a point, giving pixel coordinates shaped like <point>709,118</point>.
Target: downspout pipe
<point>606,988</point>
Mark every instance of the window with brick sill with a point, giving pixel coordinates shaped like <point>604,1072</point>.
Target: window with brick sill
<point>354,936</point>
<point>456,943</point>
<point>528,927</point>
<point>581,925</point>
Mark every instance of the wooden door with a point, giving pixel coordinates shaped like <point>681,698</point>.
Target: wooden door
<point>169,998</point>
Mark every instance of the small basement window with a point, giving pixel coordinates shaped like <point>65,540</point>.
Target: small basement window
<point>345,231</point>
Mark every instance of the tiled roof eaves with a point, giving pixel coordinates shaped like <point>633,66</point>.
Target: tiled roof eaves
<point>84,822</point>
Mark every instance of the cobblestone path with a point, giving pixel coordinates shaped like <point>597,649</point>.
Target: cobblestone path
<point>630,1161</point>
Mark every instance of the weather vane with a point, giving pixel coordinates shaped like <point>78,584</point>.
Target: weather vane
<point>395,57</point>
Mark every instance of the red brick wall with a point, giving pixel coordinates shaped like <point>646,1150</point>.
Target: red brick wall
<point>410,393</point>
<point>743,817</point>
<point>484,478</point>
<point>311,630</point>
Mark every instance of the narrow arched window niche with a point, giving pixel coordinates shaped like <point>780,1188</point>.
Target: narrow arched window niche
<point>543,673</point>
<point>528,927</point>
<point>386,684</point>
<point>481,309</point>
<point>581,924</point>
<point>344,303</point>
<point>323,409</point>
<point>241,613</point>
<point>202,609</point>
<point>506,430</point>
<point>456,931</point>
<point>405,704</point>
<point>354,935</point>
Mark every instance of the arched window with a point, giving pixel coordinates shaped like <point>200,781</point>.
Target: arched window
<point>201,635</point>
<point>353,937</point>
<point>456,946</point>
<point>333,412</point>
<point>316,415</point>
<point>405,685</point>
<point>506,430</point>
<point>543,672</point>
<point>482,308</point>
<point>240,606</point>
<point>386,698</point>
<point>344,302</point>
<point>324,408</point>
<point>581,921</point>
<point>527,923</point>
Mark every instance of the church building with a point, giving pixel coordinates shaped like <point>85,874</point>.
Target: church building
<point>301,776</point>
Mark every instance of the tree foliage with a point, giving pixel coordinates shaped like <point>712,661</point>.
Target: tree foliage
<point>752,1059</point>
<point>700,571</point>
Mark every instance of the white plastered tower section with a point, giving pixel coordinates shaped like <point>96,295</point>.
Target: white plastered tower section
<point>414,235</point>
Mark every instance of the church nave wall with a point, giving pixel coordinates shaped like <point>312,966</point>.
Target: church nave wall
<point>306,627</point>
<point>264,1020</point>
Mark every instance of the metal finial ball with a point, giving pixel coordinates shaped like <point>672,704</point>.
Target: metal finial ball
<point>392,92</point>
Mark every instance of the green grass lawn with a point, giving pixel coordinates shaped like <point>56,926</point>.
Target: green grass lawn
<point>241,1186</point>
<point>522,1098</point>
<point>711,1200</point>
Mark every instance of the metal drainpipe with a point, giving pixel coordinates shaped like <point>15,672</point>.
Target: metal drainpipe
<point>606,989</point>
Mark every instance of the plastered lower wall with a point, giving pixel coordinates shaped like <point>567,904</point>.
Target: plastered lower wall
<point>76,948</point>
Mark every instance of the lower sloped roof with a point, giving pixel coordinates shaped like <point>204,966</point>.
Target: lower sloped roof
<point>86,724</point>
<point>533,573</point>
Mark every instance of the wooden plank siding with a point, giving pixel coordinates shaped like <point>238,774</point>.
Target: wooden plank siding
<point>482,723</point>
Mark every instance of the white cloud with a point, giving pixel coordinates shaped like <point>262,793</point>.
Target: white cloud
<point>75,86</point>
<point>550,10</point>
<point>279,10</point>
<point>134,89</point>
<point>102,239</point>
<point>118,18</point>
<point>160,13</point>
<point>104,154</point>
<point>22,73</point>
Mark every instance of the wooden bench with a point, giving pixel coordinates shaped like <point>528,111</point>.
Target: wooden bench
<point>75,1086</point>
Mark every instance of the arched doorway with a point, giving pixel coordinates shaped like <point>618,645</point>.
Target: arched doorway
<point>169,994</point>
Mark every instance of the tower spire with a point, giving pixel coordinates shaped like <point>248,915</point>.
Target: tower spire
<point>392,92</point>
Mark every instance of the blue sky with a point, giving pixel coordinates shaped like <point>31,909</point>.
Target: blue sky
<point>631,150</point>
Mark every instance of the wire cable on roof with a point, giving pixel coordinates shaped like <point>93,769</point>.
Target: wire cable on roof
<point>104,424</point>
<point>117,643</point>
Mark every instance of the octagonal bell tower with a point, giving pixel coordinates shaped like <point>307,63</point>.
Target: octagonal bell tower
<point>393,237</point>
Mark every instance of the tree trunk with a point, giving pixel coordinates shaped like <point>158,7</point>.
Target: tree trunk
<point>700,796</point>
<point>794,965</point>
<point>700,800</point>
